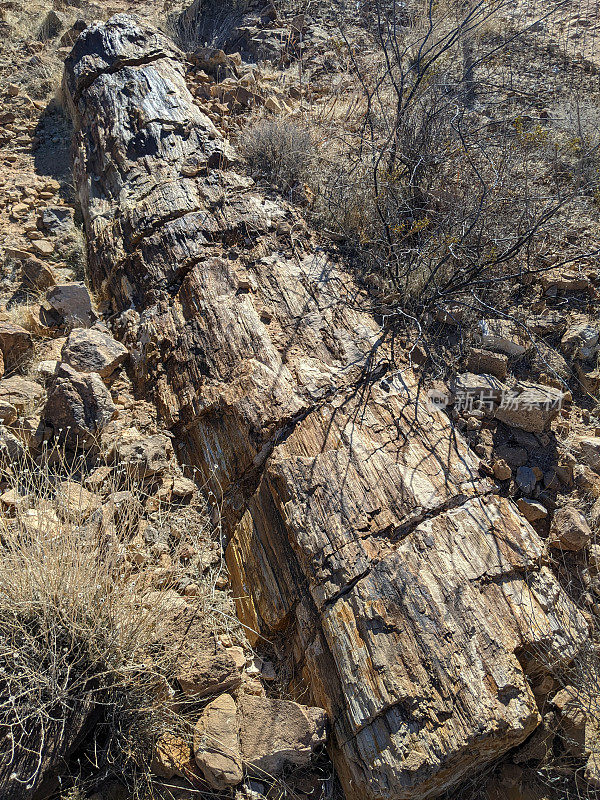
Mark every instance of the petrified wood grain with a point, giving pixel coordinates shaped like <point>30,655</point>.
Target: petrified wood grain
<point>412,600</point>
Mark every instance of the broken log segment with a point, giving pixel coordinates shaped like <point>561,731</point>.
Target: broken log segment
<point>360,534</point>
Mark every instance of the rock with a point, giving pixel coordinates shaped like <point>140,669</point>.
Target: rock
<point>472,391</point>
<point>69,38</point>
<point>171,756</point>
<point>54,22</point>
<point>56,219</point>
<point>90,350</point>
<point>501,470</point>
<point>548,364</point>
<point>531,510</point>
<point>37,274</point>
<point>216,743</point>
<point>46,368</point>
<point>581,340</point>
<point>530,407</point>
<point>42,247</point>
<point>588,450</point>
<point>21,393</point>
<point>78,406</point>
<point>505,337</point>
<point>8,413</point>
<point>486,362</point>
<point>143,456</point>
<point>16,345</point>
<point>73,303</point>
<point>569,530</point>
<point>563,280</point>
<point>526,480</point>
<point>238,656</point>
<point>12,450</point>
<point>278,733</point>
<point>183,487</point>
<point>74,502</point>
<point>358,527</point>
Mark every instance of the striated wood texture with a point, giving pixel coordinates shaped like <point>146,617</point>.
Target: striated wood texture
<point>412,601</point>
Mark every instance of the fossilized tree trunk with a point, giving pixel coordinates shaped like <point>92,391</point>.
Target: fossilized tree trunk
<point>410,597</point>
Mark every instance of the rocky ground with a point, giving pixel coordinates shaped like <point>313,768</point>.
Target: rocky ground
<point>523,389</point>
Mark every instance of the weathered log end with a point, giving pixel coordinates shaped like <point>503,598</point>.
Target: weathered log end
<point>411,600</point>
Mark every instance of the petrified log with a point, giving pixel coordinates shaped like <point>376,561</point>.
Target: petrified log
<point>412,599</point>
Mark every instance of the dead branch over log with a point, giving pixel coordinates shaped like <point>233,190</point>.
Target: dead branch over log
<point>359,531</point>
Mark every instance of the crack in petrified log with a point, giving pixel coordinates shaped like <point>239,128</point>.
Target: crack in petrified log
<point>359,530</point>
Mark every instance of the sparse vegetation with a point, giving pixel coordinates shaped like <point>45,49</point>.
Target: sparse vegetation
<point>86,663</point>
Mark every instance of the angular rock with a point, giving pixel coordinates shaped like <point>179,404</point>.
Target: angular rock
<point>171,756</point>
<point>216,743</point>
<point>75,503</point>
<point>487,362</point>
<point>143,456</point>
<point>16,344</point>
<point>278,733</point>
<point>8,412</point>
<point>56,219</point>
<point>526,480</point>
<point>530,407</point>
<point>531,510</point>
<point>588,450</point>
<point>78,406</point>
<point>358,526</point>
<point>73,303</point>
<point>12,450</point>
<point>569,530</point>
<point>472,391</point>
<point>37,274</point>
<point>21,393</point>
<point>581,340</point>
<point>504,336</point>
<point>90,350</point>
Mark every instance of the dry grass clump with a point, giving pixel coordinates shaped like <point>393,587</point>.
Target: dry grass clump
<point>87,664</point>
<point>282,151</point>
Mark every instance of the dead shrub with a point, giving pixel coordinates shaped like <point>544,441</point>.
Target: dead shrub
<point>87,664</point>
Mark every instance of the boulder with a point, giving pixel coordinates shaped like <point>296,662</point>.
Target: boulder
<point>588,450</point>
<point>56,219</point>
<point>11,449</point>
<point>74,502</point>
<point>580,340</point>
<point>505,337</point>
<point>207,672</point>
<point>143,456</point>
<point>501,470</point>
<point>37,274</point>
<point>73,302</point>
<point>78,406</point>
<point>569,530</point>
<point>531,407</point>
<point>91,350</point>
<point>472,391</point>
<point>8,412</point>
<point>531,510</point>
<point>487,362</point>
<point>526,479</point>
<point>21,393</point>
<point>16,344</point>
<point>53,23</point>
<point>275,734</point>
<point>216,743</point>
<point>172,756</point>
